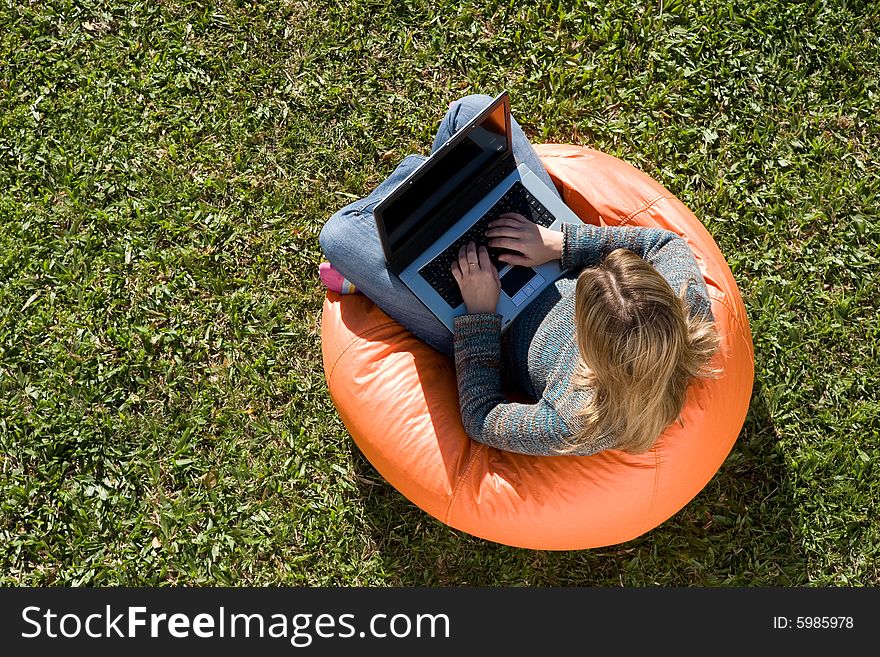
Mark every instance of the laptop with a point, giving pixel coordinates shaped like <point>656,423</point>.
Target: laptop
<point>450,199</point>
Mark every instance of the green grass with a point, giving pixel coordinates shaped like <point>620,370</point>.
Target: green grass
<point>166,167</point>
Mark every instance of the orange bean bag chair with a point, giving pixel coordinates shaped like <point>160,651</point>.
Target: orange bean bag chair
<point>398,398</point>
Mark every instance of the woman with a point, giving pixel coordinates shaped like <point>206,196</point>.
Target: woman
<point>607,352</point>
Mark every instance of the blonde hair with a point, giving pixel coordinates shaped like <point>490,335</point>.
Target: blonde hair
<point>639,347</point>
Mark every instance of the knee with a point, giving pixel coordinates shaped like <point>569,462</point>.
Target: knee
<point>473,102</point>
<point>331,235</point>
<point>476,100</point>
<point>464,109</point>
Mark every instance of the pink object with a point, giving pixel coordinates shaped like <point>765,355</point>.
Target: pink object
<point>334,281</point>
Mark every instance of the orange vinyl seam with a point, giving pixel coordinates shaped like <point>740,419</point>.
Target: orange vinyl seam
<point>647,206</point>
<point>352,342</point>
<point>461,478</point>
<point>642,526</point>
<point>734,318</point>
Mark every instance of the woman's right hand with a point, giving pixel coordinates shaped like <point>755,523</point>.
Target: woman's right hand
<point>477,279</point>
<point>534,244</point>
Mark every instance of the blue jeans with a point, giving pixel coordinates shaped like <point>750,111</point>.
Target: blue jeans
<point>351,244</point>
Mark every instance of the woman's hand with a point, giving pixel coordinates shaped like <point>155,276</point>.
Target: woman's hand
<point>477,279</point>
<point>514,232</point>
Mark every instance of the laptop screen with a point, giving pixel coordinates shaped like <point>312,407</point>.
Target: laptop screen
<point>446,178</point>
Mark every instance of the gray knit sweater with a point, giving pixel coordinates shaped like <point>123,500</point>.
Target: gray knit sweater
<point>538,354</point>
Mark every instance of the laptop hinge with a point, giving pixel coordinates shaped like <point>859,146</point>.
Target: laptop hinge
<point>446,216</point>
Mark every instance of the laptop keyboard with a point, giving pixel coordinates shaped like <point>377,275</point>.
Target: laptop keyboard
<point>517,199</point>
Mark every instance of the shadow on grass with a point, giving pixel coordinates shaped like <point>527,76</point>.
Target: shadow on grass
<point>738,531</point>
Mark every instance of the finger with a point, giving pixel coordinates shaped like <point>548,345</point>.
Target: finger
<point>456,271</point>
<point>504,231</point>
<point>506,243</point>
<point>514,259</point>
<point>472,254</point>
<point>485,263</point>
<point>462,258</point>
<point>516,216</point>
<point>506,220</point>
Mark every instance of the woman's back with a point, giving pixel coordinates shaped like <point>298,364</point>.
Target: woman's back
<point>539,355</point>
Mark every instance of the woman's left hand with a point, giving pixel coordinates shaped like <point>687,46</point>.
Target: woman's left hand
<point>477,279</point>
<point>534,245</point>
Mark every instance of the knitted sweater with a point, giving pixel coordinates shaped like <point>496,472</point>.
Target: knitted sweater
<point>538,355</point>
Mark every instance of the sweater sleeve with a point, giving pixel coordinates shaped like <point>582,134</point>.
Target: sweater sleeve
<point>586,245</point>
<point>488,417</point>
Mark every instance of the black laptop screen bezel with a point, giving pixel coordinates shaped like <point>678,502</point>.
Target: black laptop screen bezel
<point>501,100</point>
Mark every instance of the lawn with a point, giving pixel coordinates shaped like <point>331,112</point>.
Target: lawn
<point>166,167</point>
